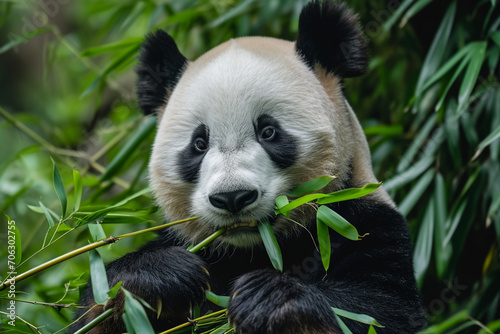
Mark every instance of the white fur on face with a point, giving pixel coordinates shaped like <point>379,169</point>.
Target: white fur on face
<point>227,92</point>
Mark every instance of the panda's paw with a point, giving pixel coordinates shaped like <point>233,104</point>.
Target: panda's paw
<point>266,301</point>
<point>171,279</point>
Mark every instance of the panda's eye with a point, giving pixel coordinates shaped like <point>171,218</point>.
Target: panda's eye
<point>200,145</point>
<point>268,133</point>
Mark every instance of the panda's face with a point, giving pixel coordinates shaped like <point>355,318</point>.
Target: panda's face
<point>243,126</point>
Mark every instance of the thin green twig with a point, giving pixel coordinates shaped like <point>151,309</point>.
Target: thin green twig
<point>37,138</point>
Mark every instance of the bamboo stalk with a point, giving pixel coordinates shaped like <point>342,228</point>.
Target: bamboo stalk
<point>95,322</point>
<point>84,249</point>
<point>214,314</point>
<point>207,241</point>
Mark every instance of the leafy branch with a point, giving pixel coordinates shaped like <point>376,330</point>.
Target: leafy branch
<point>85,249</point>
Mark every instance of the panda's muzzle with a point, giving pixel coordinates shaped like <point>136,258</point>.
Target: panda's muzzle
<point>233,201</point>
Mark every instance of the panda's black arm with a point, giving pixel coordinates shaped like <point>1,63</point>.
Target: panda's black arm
<point>373,276</point>
<point>158,273</point>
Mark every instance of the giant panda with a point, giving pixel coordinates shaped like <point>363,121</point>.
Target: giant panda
<point>246,122</point>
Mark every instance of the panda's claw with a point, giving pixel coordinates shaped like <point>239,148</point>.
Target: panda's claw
<point>266,301</point>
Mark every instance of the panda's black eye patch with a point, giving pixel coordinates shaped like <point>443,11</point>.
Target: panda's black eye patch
<point>278,143</point>
<point>191,157</point>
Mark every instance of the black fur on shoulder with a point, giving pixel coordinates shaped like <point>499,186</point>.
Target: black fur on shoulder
<point>330,35</point>
<point>160,67</point>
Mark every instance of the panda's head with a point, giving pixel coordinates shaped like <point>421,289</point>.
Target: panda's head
<point>250,120</point>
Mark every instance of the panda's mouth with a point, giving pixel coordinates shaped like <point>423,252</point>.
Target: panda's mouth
<point>244,233</point>
<point>247,225</point>
<point>251,224</point>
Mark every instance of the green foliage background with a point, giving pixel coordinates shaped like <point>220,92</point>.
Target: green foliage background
<point>430,107</point>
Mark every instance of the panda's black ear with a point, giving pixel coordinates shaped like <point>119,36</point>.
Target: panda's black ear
<point>330,36</point>
<point>159,69</point>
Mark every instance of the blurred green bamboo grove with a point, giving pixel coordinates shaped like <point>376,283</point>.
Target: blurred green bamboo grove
<point>430,107</point>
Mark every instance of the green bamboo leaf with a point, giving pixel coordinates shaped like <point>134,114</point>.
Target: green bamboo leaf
<point>312,186</point>
<point>271,245</point>
<point>96,231</point>
<point>416,193</point>
<point>452,224</point>
<point>125,153</point>
<point>15,40</point>
<point>417,142</point>
<point>136,315</point>
<point>39,209</point>
<point>491,327</point>
<point>494,206</point>
<point>119,212</point>
<point>469,130</point>
<point>447,324</point>
<point>477,54</point>
<point>436,52</point>
<point>59,186</point>
<point>185,15</point>
<point>98,50</point>
<point>494,135</point>
<point>372,330</point>
<point>235,11</point>
<point>114,290</point>
<point>337,223</point>
<point>342,325</point>
<point>348,194</point>
<point>77,184</point>
<point>100,214</point>
<point>222,329</point>
<point>132,16</point>
<point>413,10</point>
<point>128,324</point>
<point>452,132</point>
<point>363,318</point>
<point>325,247</point>
<point>133,196</point>
<point>445,68</point>
<point>122,215</point>
<point>493,55</point>
<point>113,218</point>
<point>423,246</point>
<point>127,55</point>
<point>46,211</point>
<point>396,15</point>
<point>458,71</point>
<point>410,174</point>
<point>96,216</point>
<point>99,280</point>
<point>441,254</point>
<point>496,37</point>
<point>222,301</point>
<point>299,201</point>
<point>281,201</point>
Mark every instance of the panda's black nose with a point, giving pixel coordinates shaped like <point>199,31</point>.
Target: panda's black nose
<point>233,201</point>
